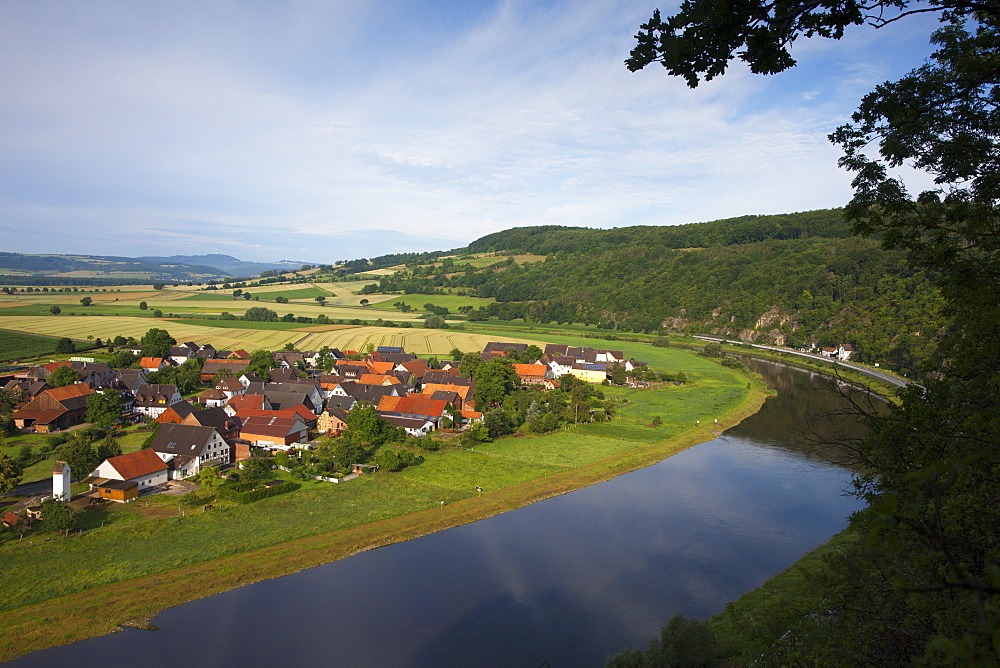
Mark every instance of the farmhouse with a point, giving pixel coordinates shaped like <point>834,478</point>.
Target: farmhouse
<point>58,408</point>
<point>124,477</point>
<point>187,448</point>
<point>152,399</point>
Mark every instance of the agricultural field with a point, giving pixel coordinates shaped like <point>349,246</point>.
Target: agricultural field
<point>18,346</point>
<point>418,341</point>
<point>451,302</point>
<point>486,260</point>
<point>110,326</point>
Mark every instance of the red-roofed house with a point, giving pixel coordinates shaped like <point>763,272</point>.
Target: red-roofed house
<point>153,363</point>
<point>416,405</point>
<point>122,478</point>
<point>375,379</point>
<point>244,401</point>
<point>532,374</point>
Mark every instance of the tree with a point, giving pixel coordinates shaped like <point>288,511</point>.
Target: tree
<point>64,375</point>
<point>365,426</point>
<point>10,474</point>
<point>347,452</point>
<point>58,516</point>
<point>104,408</point>
<point>55,310</point>
<point>925,585</point>
<point>495,379</point>
<point>261,362</point>
<point>124,359</point>
<point>260,314</point>
<point>208,477</point>
<point>86,301</point>
<point>364,302</point>
<point>280,299</point>
<point>321,300</point>
<point>107,448</point>
<point>156,342</point>
<point>256,470</point>
<point>499,423</point>
<point>65,346</point>
<point>82,458</point>
<point>143,306</point>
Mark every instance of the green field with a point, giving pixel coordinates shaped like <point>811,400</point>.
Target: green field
<point>17,346</point>
<point>137,540</point>
<point>451,302</point>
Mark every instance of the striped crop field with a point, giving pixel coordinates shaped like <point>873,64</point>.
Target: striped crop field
<point>105,327</point>
<point>417,341</point>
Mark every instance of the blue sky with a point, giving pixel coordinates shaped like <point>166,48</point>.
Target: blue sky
<point>320,131</point>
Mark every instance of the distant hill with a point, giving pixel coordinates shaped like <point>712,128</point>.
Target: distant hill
<point>226,264</point>
<point>47,269</point>
<point>101,267</point>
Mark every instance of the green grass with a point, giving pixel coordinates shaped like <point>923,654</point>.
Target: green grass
<point>130,546</point>
<point>463,470</point>
<point>237,324</point>
<point>18,346</point>
<point>296,293</point>
<point>564,449</point>
<point>451,302</point>
<point>750,626</point>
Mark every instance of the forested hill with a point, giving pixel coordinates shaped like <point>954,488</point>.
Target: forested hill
<point>549,239</point>
<point>789,279</point>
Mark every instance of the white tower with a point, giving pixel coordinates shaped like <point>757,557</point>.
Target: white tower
<point>60,482</point>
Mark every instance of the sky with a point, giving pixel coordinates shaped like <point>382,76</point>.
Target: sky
<point>328,130</point>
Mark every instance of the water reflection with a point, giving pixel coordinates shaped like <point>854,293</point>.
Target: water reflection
<point>569,580</point>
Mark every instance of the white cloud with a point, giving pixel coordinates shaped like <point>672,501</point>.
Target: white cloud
<point>296,119</point>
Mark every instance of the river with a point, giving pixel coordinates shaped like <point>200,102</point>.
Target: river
<point>567,581</point>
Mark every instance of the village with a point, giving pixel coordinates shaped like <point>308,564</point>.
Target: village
<point>247,412</point>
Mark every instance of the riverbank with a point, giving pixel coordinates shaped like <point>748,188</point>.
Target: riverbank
<point>750,626</point>
<point>133,602</point>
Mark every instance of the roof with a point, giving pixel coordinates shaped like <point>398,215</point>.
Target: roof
<point>502,347</point>
<point>406,422</point>
<point>464,391</point>
<point>212,417</point>
<point>137,464</point>
<point>181,409</point>
<point>271,426</point>
<point>377,379</point>
<point>69,391</point>
<point>39,415</point>
<point>417,404</point>
<point>534,370</point>
<point>299,411</point>
<point>240,402</point>
<point>182,439</point>
<point>122,485</point>
<point>151,362</point>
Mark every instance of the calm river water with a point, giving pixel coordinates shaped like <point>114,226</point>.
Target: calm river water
<point>567,581</point>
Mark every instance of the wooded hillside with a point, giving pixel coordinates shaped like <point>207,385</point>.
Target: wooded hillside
<point>787,279</point>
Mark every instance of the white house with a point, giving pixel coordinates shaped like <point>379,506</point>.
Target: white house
<point>142,467</point>
<point>152,399</point>
<point>188,448</point>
